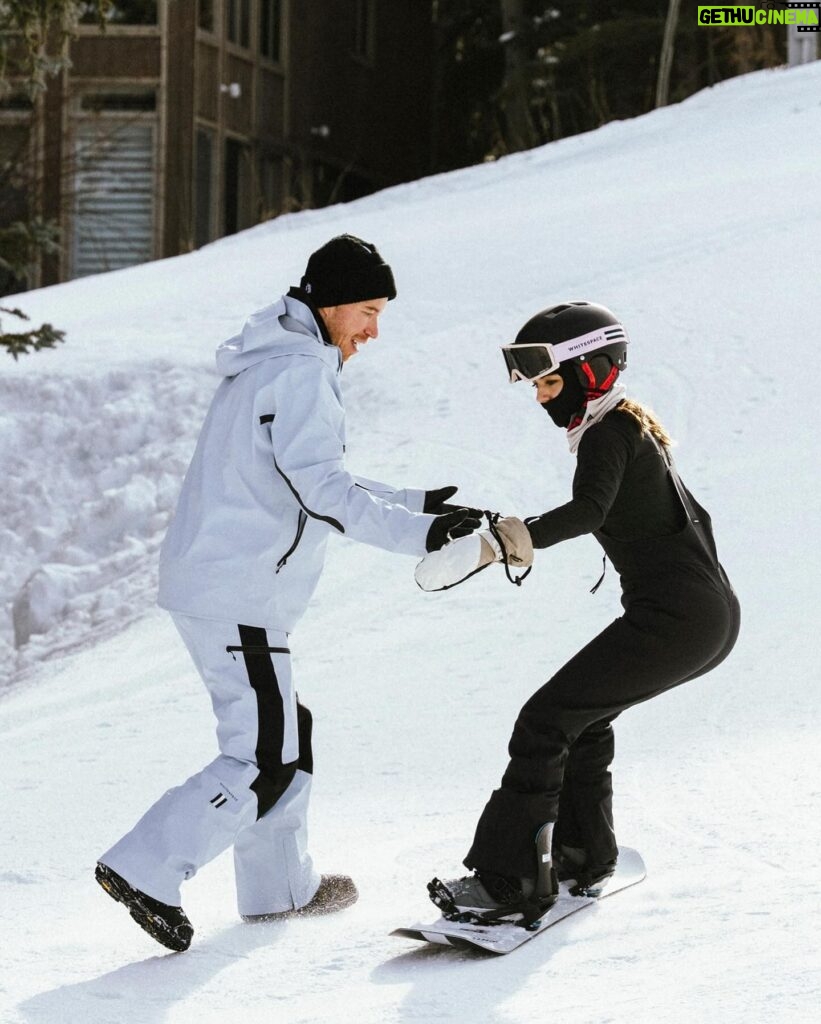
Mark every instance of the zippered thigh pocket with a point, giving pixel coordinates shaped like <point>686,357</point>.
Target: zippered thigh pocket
<point>233,648</point>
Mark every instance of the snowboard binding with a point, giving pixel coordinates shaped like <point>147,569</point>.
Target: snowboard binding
<point>522,902</point>
<point>525,912</point>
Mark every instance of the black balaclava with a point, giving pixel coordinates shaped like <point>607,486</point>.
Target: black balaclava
<point>570,401</point>
<point>567,409</point>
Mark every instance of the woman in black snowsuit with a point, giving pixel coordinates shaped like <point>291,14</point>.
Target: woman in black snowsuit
<point>681,617</point>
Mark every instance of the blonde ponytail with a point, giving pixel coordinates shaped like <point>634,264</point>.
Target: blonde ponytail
<point>646,419</point>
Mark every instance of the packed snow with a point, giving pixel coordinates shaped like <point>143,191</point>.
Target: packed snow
<point>700,224</point>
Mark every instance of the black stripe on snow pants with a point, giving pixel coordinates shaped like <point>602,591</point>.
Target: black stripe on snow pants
<point>562,743</point>
<point>274,776</point>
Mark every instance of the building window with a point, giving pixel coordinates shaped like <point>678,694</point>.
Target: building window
<point>100,101</point>
<point>364,29</point>
<point>112,181</point>
<point>122,12</point>
<point>237,187</point>
<point>16,101</point>
<point>238,29</point>
<point>205,15</point>
<point>203,187</point>
<point>270,29</point>
<point>270,188</point>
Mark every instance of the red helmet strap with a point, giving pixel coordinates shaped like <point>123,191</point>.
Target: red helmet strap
<point>594,389</point>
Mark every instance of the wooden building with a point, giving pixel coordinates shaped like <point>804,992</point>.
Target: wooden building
<point>187,120</point>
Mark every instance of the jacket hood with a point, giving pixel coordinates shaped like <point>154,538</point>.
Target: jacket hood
<point>285,327</point>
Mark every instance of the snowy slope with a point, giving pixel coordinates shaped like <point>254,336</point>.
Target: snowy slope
<point>701,225</point>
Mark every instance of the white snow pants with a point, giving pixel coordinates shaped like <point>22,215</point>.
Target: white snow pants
<point>254,796</point>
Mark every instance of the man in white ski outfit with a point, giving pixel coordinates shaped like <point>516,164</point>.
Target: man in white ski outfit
<point>266,487</point>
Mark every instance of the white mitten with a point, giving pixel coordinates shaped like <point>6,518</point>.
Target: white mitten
<point>463,557</point>
<point>457,560</point>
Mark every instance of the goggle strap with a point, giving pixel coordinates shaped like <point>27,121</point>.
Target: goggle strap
<point>589,342</point>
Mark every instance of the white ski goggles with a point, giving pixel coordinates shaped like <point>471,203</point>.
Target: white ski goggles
<point>532,360</point>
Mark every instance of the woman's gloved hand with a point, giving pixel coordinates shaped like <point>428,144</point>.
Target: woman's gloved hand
<point>515,537</point>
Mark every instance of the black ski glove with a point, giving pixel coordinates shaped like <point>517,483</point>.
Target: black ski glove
<point>436,502</point>
<point>450,526</point>
<point>434,499</point>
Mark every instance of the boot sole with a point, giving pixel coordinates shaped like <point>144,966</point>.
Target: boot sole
<point>159,930</point>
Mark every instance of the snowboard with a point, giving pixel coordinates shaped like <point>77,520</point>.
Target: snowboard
<point>504,938</point>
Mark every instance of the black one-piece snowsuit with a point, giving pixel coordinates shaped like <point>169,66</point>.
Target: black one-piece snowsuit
<point>681,618</point>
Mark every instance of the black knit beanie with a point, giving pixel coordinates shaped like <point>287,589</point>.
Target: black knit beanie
<point>346,270</point>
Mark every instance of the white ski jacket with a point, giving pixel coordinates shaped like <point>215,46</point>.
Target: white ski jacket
<point>267,483</point>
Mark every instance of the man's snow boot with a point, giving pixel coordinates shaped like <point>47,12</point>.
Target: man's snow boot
<point>335,892</point>
<point>168,925</point>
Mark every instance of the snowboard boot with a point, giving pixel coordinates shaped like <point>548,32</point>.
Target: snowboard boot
<point>486,897</point>
<point>588,879</point>
<point>168,925</point>
<point>335,892</point>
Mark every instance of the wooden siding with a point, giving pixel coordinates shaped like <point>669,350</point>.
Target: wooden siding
<point>239,112</point>
<point>177,168</point>
<point>270,123</point>
<point>208,81</point>
<point>116,56</point>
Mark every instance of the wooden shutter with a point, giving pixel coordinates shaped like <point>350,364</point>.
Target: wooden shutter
<point>114,195</point>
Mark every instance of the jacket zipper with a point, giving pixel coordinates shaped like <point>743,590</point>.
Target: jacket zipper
<point>301,521</point>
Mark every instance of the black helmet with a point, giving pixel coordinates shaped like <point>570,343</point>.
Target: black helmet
<point>582,335</point>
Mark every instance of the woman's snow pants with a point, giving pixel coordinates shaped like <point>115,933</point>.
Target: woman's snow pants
<point>562,743</point>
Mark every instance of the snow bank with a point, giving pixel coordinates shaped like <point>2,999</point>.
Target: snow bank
<point>92,466</point>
